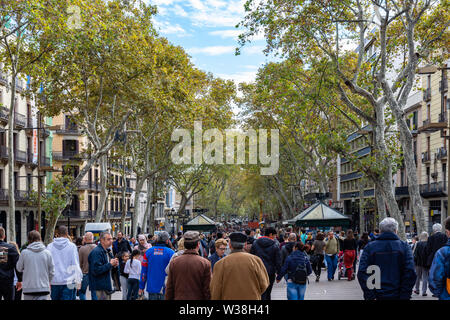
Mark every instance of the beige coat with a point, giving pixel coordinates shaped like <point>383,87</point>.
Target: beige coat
<point>239,276</point>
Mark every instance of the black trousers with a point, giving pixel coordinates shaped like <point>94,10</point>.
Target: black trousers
<point>17,294</point>
<point>317,265</point>
<point>268,292</point>
<point>7,292</point>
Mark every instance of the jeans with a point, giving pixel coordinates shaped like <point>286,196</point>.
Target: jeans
<point>422,274</point>
<point>331,265</point>
<point>267,294</point>
<point>296,291</point>
<point>62,292</point>
<point>155,296</point>
<point>124,287</point>
<point>84,286</point>
<point>102,295</point>
<point>133,289</point>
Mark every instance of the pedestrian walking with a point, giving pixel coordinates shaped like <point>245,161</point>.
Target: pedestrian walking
<point>240,275</point>
<point>37,268</point>
<point>436,241</point>
<point>154,265</point>
<point>133,268</point>
<point>349,249</point>
<point>83,254</point>
<point>331,255</point>
<point>17,278</point>
<point>297,268</point>
<point>421,263</point>
<point>68,274</point>
<point>288,246</point>
<point>439,280</point>
<point>394,259</point>
<point>269,252</point>
<point>142,246</point>
<point>221,245</point>
<point>318,249</point>
<point>101,264</point>
<point>189,275</point>
<point>121,244</point>
<point>250,239</point>
<point>125,255</point>
<point>9,256</point>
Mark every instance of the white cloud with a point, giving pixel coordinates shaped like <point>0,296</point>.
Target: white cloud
<point>243,76</point>
<point>211,51</point>
<point>253,50</point>
<point>165,27</point>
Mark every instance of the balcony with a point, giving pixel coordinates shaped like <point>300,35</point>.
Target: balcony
<point>20,195</point>
<point>67,155</point>
<point>425,157</point>
<point>19,85</point>
<point>443,85</point>
<point>441,154</point>
<point>20,120</point>
<point>69,129</point>
<point>77,214</point>
<point>427,95</point>
<point>87,185</point>
<point>20,156</point>
<point>4,114</point>
<point>401,192</point>
<point>435,189</point>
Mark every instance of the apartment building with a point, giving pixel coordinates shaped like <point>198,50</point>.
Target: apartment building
<point>427,113</point>
<point>27,138</point>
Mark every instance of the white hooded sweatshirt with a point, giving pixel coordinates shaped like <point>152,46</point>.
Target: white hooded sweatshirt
<point>67,263</point>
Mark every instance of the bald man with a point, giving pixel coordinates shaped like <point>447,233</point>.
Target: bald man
<point>84,252</point>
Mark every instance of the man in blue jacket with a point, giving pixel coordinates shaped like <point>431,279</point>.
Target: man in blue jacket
<point>100,266</point>
<point>395,261</point>
<point>154,265</point>
<point>439,280</point>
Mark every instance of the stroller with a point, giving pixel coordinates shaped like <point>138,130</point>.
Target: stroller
<point>342,271</point>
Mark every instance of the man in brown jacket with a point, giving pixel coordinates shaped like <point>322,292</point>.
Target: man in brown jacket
<point>189,274</point>
<point>83,254</point>
<point>240,275</point>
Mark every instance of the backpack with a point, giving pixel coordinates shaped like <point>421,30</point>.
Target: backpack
<point>300,276</point>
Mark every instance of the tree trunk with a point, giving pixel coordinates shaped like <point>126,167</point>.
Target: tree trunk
<point>11,234</point>
<point>285,198</point>
<point>361,206</point>
<point>103,188</point>
<point>384,181</point>
<point>381,207</point>
<point>406,141</point>
<point>124,189</point>
<point>51,225</point>
<point>136,213</point>
<point>148,207</point>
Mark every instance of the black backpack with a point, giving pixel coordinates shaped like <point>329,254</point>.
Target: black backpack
<point>300,276</point>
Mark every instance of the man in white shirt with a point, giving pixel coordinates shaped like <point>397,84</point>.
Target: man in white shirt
<point>68,274</point>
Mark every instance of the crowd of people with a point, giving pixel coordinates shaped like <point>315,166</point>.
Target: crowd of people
<point>240,265</point>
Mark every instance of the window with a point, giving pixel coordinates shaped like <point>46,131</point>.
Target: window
<point>1,178</point>
<point>29,182</point>
<point>428,112</point>
<point>429,81</point>
<point>89,202</point>
<point>96,203</point>
<point>111,207</point>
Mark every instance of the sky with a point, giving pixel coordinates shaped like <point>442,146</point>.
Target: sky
<point>206,30</point>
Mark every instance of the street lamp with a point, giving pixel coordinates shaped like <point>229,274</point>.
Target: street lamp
<point>172,215</point>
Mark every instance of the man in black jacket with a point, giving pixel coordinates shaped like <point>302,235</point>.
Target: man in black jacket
<point>121,244</point>
<point>269,252</point>
<point>8,260</point>
<point>435,242</point>
<point>421,264</point>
